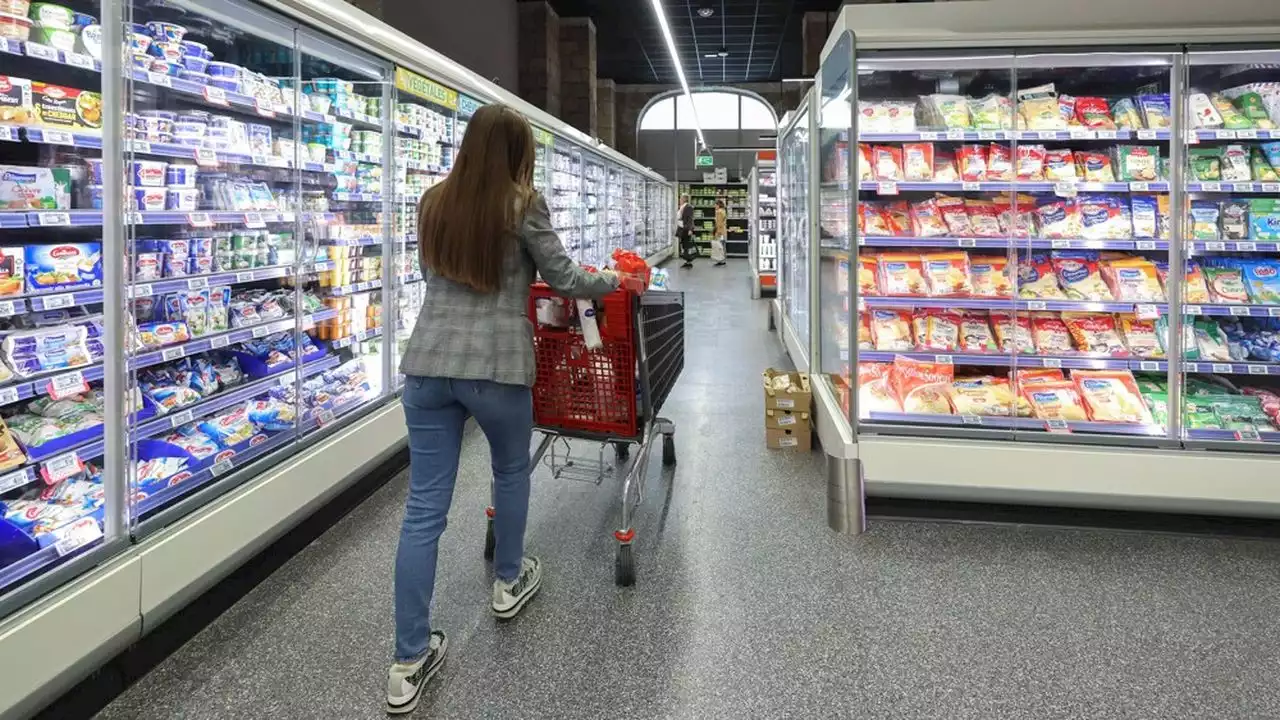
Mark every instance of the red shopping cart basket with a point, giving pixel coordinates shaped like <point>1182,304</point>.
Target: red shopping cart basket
<point>581,391</point>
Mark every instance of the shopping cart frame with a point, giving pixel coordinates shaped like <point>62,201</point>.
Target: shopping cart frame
<point>646,310</point>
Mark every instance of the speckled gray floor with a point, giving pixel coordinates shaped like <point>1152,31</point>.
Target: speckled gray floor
<point>747,607</point>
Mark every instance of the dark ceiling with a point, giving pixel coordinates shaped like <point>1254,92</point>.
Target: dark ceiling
<point>762,38</point>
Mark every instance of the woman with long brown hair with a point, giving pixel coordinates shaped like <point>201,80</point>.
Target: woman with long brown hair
<point>483,233</point>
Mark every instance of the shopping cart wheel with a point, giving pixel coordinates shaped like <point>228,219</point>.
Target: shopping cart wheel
<point>622,450</point>
<point>488,534</point>
<point>624,567</point>
<point>668,450</point>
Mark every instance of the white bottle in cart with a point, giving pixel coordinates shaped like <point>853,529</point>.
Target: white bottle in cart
<point>590,330</point>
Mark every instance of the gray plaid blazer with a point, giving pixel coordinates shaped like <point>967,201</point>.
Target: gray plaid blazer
<point>464,334</point>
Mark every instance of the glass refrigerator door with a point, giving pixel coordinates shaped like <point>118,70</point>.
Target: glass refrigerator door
<point>835,125</point>
<point>793,192</point>
<point>767,220</point>
<point>614,213</point>
<point>1231,294</point>
<point>594,220</point>
<point>565,201</point>
<point>58,507</point>
<point>429,122</point>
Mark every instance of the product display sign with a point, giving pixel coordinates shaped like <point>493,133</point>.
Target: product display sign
<point>415,84</point>
<point>467,105</point>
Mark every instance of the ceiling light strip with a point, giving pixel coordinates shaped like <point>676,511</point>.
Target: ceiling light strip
<point>675,58</point>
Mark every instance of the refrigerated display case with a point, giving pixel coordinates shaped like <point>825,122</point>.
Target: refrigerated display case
<point>762,186</point>
<point>996,317</point>
<point>795,215</point>
<point>204,237</point>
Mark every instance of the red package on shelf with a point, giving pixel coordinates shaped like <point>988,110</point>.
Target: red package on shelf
<point>888,162</point>
<point>973,163</point>
<point>999,163</point>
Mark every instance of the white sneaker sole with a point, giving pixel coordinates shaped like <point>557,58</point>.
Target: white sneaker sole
<point>514,610</point>
<point>412,703</point>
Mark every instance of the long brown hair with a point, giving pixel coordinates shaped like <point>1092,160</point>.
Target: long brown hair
<point>466,222</point>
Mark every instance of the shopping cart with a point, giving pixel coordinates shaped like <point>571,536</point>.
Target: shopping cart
<point>609,396</point>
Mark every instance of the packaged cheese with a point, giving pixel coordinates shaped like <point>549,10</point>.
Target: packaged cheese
<point>972,160</point>
<point>1111,396</point>
<point>1021,224</point>
<point>1038,108</point>
<point>864,332</point>
<point>1013,332</point>
<point>922,387</point>
<point>918,161</point>
<point>1031,160</point>
<point>947,273</point>
<point>1103,217</point>
<point>891,330</point>
<point>983,395</point>
<point>944,167</point>
<point>902,274</point>
<point>1203,113</point>
<point>984,218</point>
<point>954,215</point>
<point>1050,334</point>
<point>1133,279</point>
<point>866,170</point>
<point>1140,336</point>
<point>1058,219</point>
<point>1058,400</point>
<point>1060,166</point>
<point>898,216</point>
<point>867,276</point>
<point>927,220</point>
<point>1137,163</point>
<point>999,163</point>
<point>937,330</point>
<point>1225,281</point>
<point>1037,280</point>
<point>1094,167</point>
<point>872,221</point>
<point>1095,333</point>
<point>1080,275</point>
<point>975,333</point>
<point>989,276</point>
<point>887,161</point>
<point>993,112</point>
<point>874,392</point>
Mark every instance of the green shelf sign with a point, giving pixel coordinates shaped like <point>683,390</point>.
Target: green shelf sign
<point>705,160</point>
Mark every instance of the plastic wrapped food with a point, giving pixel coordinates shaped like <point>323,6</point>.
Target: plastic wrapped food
<point>1037,279</point>
<point>1235,164</point>
<point>1060,165</point>
<point>1013,332</point>
<point>947,273</point>
<point>984,218</point>
<point>1055,400</point>
<point>1103,217</point>
<point>872,222</point>
<point>1137,163</point>
<point>936,330</point>
<point>949,111</point>
<point>1155,111</point>
<point>887,161</point>
<point>1095,333</point>
<point>999,163</point>
<point>1038,108</point>
<point>1203,220</point>
<point>1094,113</point>
<point>1080,274</point>
<point>993,112</point>
<point>1140,336</point>
<point>1145,216</point>
<point>1058,219</point>
<point>922,387</point>
<point>1260,168</point>
<point>866,169</point>
<point>1232,119</point>
<point>975,333</point>
<point>1031,163</point>
<point>1050,335</point>
<point>901,274</point>
<point>1020,224</point>
<point>1264,219</point>
<point>926,220</point>
<point>1111,396</point>
<point>954,215</point>
<point>1133,279</point>
<point>918,161</point>
<point>874,392</point>
<point>891,330</point>
<point>985,395</point>
<point>989,276</point>
<point>1067,109</point>
<point>973,162</point>
<point>1094,167</point>
<point>867,276</point>
<point>1206,163</point>
<point>1125,114</point>
<point>1262,280</point>
<point>1225,281</point>
<point>1203,112</point>
<point>944,167</point>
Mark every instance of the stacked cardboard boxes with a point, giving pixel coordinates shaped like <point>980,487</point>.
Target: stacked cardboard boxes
<point>788,401</point>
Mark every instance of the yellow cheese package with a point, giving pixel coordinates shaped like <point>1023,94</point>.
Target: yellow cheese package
<point>1038,109</point>
<point>891,330</point>
<point>984,395</point>
<point>989,276</point>
<point>947,273</point>
<point>937,330</point>
<point>1081,275</point>
<point>1037,279</point>
<point>901,274</point>
<point>1111,396</point>
<point>1055,400</point>
<point>1140,335</point>
<point>922,387</point>
<point>1133,279</point>
<point>874,392</point>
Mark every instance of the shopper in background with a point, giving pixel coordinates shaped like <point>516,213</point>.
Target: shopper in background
<point>722,234</point>
<point>688,248</point>
<point>483,233</point>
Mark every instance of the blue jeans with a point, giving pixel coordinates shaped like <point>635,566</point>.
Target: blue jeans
<point>435,410</point>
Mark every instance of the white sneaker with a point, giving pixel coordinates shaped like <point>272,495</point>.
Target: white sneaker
<point>510,597</point>
<point>406,680</point>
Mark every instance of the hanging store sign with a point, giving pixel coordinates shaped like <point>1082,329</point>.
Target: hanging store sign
<point>704,160</point>
<point>468,105</point>
<point>429,90</point>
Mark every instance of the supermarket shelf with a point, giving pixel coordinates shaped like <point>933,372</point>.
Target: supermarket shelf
<point>51,54</point>
<point>345,156</point>
<point>1234,187</point>
<point>969,135</point>
<point>354,288</point>
<point>1237,134</point>
<point>342,196</point>
<point>1009,423</point>
<point>1004,243</point>
<point>1065,188</point>
<point>356,338</point>
<point>94,218</point>
<point>351,242</point>
<point>1082,362</point>
<point>1142,309</point>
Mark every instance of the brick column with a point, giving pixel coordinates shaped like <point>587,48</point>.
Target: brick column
<point>578,73</point>
<point>539,53</point>
<point>813,35</point>
<point>606,123</point>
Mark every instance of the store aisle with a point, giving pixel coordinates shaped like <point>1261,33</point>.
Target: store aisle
<point>746,605</point>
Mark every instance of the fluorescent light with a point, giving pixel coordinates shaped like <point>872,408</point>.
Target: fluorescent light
<point>797,80</point>
<point>675,58</point>
<point>711,55</point>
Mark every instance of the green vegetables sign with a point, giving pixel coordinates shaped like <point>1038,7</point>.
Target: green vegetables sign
<point>415,84</point>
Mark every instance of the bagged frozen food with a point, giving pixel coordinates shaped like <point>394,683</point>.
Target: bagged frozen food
<point>1060,165</point>
<point>874,392</point>
<point>1080,275</point>
<point>1203,113</point>
<point>1126,115</point>
<point>1013,332</point>
<point>984,218</point>
<point>999,163</point>
<point>1144,215</point>
<point>936,330</point>
<point>1264,218</point>
<point>1031,161</point>
<point>973,162</point>
<point>1055,400</point>
<point>947,273</point>
<point>927,220</point>
<point>918,161</point>
<point>993,112</point>
<point>1232,119</point>
<point>1137,163</point>
<point>1058,219</point>
<point>1211,342</point>
<point>950,111</point>
<point>1206,163</point>
<point>1037,279</point>
<point>1038,108</point>
<point>1095,333</point>
<point>922,387</point>
<point>989,275</point>
<point>1140,336</point>
<point>1234,219</point>
<point>887,161</point>
<point>1104,217</point>
<point>975,333</point>
<point>944,166</point>
<point>1262,280</point>
<point>984,395</point>
<point>1050,335</point>
<point>891,330</point>
<point>1235,164</point>
<point>955,216</point>
<point>1155,111</point>
<point>1094,167</point>
<point>1203,220</point>
<point>1111,396</point>
<point>1133,279</point>
<point>1225,281</point>
<point>1094,113</point>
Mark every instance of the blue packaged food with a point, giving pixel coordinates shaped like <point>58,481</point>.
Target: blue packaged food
<point>61,267</point>
<point>1262,280</point>
<point>230,429</point>
<point>1144,214</point>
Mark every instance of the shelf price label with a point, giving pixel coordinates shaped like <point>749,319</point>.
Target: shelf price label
<point>1271,187</point>
<point>1215,245</point>
<point>1036,305</point>
<point>1246,134</point>
<point>42,52</point>
<point>1211,187</point>
<point>324,416</point>
<point>140,146</point>
<point>1242,187</point>
<point>1248,436</point>
<point>1149,366</point>
<point>244,277</point>
<point>141,291</point>
<point>8,396</point>
<point>9,133</point>
<point>1257,369</point>
<point>197,283</point>
<point>181,418</point>
<point>172,353</point>
<point>73,536</point>
<point>1246,246</point>
<point>53,219</point>
<point>887,187</point>
<point>57,302</point>
<point>1240,310</point>
<point>971,186</point>
<point>943,359</point>
<point>1192,310</point>
<point>1145,245</point>
<point>1146,311</point>
<point>199,220</point>
<point>58,137</point>
<point>1064,189</point>
<point>986,135</point>
<point>1273,311</point>
<point>955,134</point>
<point>1059,244</point>
<point>1225,134</point>
<point>261,331</point>
<point>1052,362</point>
<point>206,157</point>
<point>216,96</point>
<point>67,384</point>
<point>263,109</point>
<point>222,467</point>
<point>971,419</point>
<point>963,242</point>
<point>1222,367</point>
<point>56,469</point>
<point>158,78</point>
<point>1047,134</point>
<point>8,308</point>
<point>254,221</point>
<point>1080,134</point>
<point>219,341</point>
<point>1057,425</point>
<point>80,60</point>
<point>928,135</point>
<point>1139,187</point>
<point>1106,134</point>
<point>258,159</point>
<point>1146,134</point>
<point>15,479</point>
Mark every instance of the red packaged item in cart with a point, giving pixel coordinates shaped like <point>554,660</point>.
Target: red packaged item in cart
<point>898,215</point>
<point>973,163</point>
<point>926,220</point>
<point>888,162</point>
<point>632,270</point>
<point>1031,160</point>
<point>922,387</point>
<point>954,215</point>
<point>1094,113</point>
<point>918,161</point>
<point>944,167</point>
<point>999,163</point>
<point>984,218</point>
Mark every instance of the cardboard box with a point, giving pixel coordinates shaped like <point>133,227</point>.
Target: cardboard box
<point>800,438</point>
<point>798,395</point>
<point>786,419</point>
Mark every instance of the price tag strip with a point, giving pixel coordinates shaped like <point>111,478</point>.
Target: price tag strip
<point>56,469</point>
<point>67,384</point>
<point>73,536</point>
